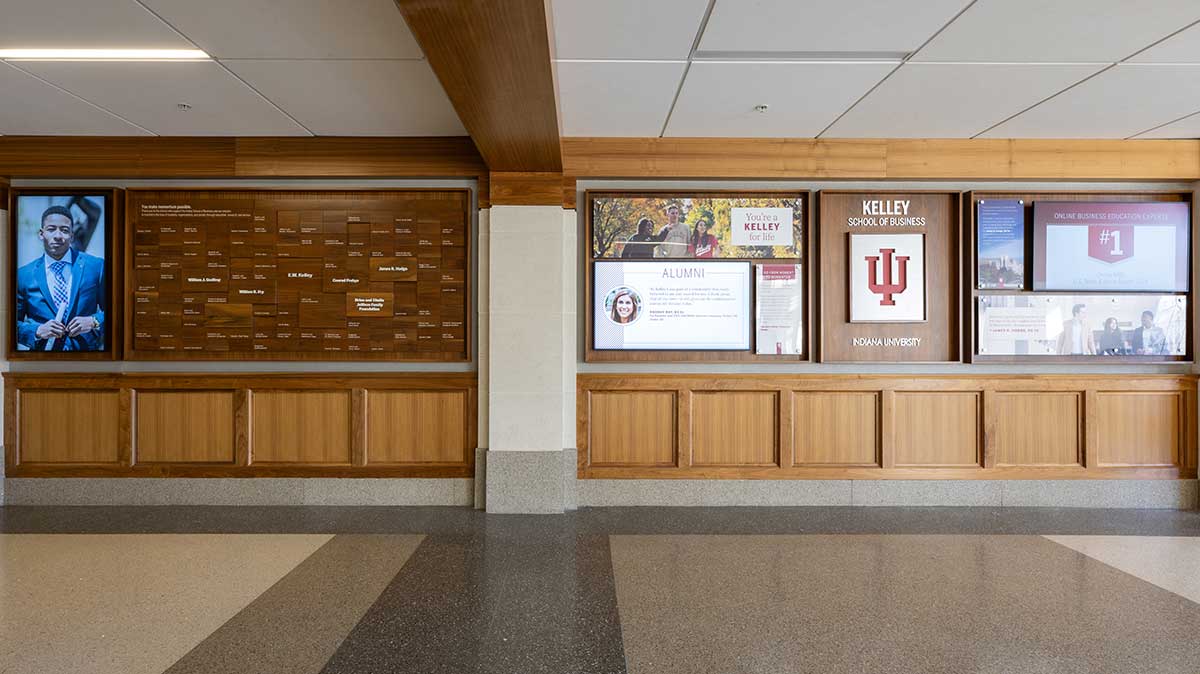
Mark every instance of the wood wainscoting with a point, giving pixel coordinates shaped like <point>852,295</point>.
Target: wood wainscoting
<point>243,425</point>
<point>887,426</point>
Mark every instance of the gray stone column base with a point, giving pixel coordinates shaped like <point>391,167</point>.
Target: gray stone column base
<point>528,482</point>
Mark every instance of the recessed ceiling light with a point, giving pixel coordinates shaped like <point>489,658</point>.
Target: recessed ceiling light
<point>103,55</point>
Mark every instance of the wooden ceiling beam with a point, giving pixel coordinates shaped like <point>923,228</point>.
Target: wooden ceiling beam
<point>495,61</point>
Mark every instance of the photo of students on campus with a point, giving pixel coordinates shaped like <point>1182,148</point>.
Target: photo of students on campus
<point>1083,325</point>
<point>681,228</point>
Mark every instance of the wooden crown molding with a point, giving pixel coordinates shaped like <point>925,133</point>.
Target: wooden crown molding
<point>222,157</point>
<point>881,159</point>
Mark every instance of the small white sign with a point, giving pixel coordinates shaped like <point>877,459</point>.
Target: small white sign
<point>887,278</point>
<point>761,226</point>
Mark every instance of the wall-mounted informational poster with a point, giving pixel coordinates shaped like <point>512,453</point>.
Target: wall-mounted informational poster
<point>697,226</point>
<point>1153,326</point>
<point>887,278</point>
<point>1110,246</point>
<point>1000,238</point>
<point>62,284</point>
<point>779,309</point>
<point>671,305</point>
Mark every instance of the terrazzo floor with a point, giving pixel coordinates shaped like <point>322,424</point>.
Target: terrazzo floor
<point>641,590</point>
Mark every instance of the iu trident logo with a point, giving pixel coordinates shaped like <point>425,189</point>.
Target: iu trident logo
<point>887,288</point>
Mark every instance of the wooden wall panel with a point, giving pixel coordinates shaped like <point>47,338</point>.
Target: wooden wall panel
<point>526,189</point>
<point>1140,428</point>
<point>935,339</point>
<point>1037,429</point>
<point>416,427</point>
<point>735,428</point>
<point>300,427</point>
<point>937,429</point>
<point>827,426</point>
<point>836,428</point>
<point>184,426</point>
<point>632,428</point>
<point>66,426</point>
<point>240,425</point>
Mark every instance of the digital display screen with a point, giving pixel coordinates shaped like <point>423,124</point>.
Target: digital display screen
<point>62,277</point>
<point>1111,246</point>
<point>672,306</point>
<point>1154,326</point>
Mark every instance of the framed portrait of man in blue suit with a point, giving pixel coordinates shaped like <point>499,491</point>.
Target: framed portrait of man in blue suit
<point>62,284</point>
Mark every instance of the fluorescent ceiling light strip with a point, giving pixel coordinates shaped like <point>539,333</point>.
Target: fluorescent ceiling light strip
<point>801,56</point>
<point>620,61</point>
<point>103,55</point>
<point>796,63</point>
<point>1009,63</point>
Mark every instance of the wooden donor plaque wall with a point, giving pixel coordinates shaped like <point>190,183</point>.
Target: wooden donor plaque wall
<point>365,275</point>
<point>890,279</point>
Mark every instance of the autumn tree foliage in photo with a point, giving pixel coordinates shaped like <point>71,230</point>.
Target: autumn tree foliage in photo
<point>615,220</point>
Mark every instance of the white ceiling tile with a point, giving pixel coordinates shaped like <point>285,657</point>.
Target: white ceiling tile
<point>825,25</point>
<point>718,99</point>
<point>356,98</point>
<point>84,24</point>
<point>1188,127</point>
<point>1118,103</point>
<point>147,94</point>
<point>274,29</point>
<point>33,108</point>
<point>1181,48</point>
<point>626,29</point>
<point>1029,31</point>
<point>952,101</point>
<point>616,99</point>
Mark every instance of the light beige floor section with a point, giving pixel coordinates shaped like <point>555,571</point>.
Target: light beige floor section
<point>129,604</point>
<point>1170,562</point>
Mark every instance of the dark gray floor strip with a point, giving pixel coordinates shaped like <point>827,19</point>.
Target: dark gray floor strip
<point>438,521</point>
<point>296,625</point>
<point>520,596</point>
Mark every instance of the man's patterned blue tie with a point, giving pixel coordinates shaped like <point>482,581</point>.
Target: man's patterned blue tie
<point>60,283</point>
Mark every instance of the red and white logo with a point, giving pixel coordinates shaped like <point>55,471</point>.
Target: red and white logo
<point>1110,243</point>
<point>888,287</point>
<point>887,278</point>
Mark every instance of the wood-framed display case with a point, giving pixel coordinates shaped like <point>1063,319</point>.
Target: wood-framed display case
<point>973,293</point>
<point>602,243</point>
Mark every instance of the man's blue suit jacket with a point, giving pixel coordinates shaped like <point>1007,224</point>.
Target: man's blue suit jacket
<point>34,305</point>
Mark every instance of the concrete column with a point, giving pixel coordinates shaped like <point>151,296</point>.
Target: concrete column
<point>530,362</point>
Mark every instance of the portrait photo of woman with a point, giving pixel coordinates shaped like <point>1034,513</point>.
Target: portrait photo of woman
<point>625,306</point>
